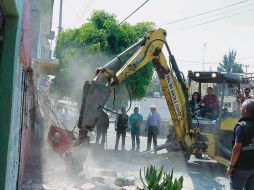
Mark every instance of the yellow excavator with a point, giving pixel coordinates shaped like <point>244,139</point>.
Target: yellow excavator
<point>149,49</point>
<point>192,135</point>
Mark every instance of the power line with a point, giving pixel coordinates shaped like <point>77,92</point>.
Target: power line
<point>207,12</point>
<point>214,15</point>
<point>215,20</point>
<point>91,3</point>
<point>84,11</point>
<point>73,10</point>
<point>134,11</point>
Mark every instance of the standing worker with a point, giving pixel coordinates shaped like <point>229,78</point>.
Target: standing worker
<point>135,122</point>
<point>247,94</point>
<point>241,98</point>
<point>121,127</point>
<point>102,125</point>
<point>153,126</point>
<point>241,169</point>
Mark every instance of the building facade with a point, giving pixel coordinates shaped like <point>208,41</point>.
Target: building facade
<point>25,30</point>
<point>11,91</point>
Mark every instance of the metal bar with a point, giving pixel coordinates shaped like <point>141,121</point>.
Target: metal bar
<point>221,104</point>
<point>117,60</point>
<point>60,17</point>
<point>181,80</point>
<point>160,147</point>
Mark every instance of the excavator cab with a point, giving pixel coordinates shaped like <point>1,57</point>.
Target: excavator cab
<point>226,87</point>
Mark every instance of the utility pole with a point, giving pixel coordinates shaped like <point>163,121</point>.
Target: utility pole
<point>246,67</point>
<point>60,17</point>
<point>204,57</point>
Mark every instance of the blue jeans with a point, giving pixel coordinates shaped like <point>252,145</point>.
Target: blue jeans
<point>120,133</point>
<point>135,136</point>
<point>153,131</point>
<point>242,179</point>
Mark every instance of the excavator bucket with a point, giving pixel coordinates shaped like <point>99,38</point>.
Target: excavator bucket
<point>95,96</point>
<point>60,139</point>
<point>62,142</point>
<point>74,151</point>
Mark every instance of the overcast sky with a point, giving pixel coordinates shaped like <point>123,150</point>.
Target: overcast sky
<point>185,39</point>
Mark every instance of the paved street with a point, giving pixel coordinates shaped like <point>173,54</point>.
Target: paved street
<point>104,166</point>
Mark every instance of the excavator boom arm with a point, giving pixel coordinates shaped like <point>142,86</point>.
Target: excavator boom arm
<point>97,91</point>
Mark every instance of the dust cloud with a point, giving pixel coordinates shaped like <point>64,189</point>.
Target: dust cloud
<point>81,69</point>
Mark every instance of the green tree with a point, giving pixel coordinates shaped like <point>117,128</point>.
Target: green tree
<point>154,86</point>
<point>229,64</point>
<point>80,51</point>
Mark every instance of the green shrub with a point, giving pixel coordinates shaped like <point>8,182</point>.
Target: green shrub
<point>154,179</point>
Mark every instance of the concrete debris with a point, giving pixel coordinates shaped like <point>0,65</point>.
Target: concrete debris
<point>98,179</point>
<point>108,173</point>
<point>124,182</point>
<point>129,188</point>
<point>87,186</point>
<point>108,187</point>
<point>117,170</point>
<point>46,187</point>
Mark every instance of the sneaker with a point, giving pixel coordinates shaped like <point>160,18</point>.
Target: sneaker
<point>116,149</point>
<point>123,149</point>
<point>133,149</point>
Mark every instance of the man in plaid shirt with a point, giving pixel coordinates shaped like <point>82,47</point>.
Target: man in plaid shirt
<point>211,104</point>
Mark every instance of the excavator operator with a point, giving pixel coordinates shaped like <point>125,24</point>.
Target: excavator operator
<point>211,105</point>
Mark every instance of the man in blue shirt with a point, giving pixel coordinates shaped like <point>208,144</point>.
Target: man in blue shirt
<point>153,125</point>
<point>241,168</point>
<point>135,122</point>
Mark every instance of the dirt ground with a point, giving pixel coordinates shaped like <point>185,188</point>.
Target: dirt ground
<point>104,167</point>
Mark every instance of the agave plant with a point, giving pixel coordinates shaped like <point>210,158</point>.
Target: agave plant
<point>159,180</point>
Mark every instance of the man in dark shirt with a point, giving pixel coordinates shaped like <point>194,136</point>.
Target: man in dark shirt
<point>121,127</point>
<point>241,169</point>
<point>102,125</point>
